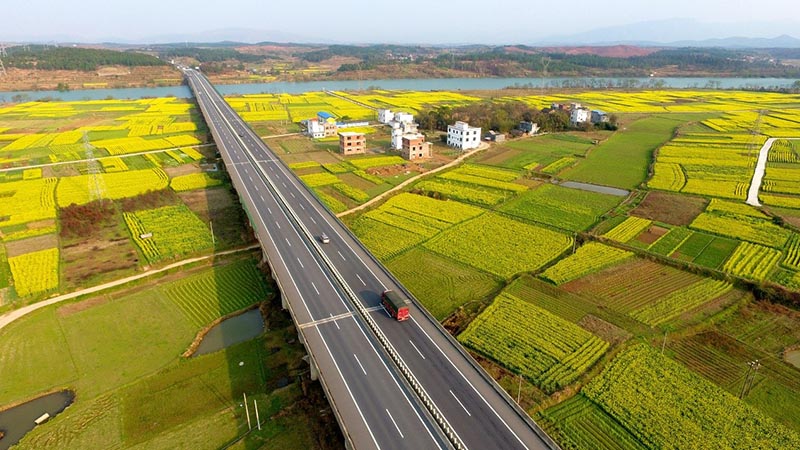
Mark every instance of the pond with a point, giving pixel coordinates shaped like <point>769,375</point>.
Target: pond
<point>232,331</point>
<point>19,420</point>
<point>596,188</point>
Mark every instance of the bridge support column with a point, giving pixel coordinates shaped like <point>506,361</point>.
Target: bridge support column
<point>313,370</point>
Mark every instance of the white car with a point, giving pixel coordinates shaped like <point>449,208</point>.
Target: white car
<point>324,238</point>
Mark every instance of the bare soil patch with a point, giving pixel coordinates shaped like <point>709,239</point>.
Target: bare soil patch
<point>73,308</point>
<point>185,169</point>
<point>390,171</point>
<point>604,330</point>
<point>652,234</point>
<point>673,209</point>
<point>97,256</point>
<point>33,244</point>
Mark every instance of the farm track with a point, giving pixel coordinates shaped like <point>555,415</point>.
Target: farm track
<point>11,316</point>
<point>402,185</point>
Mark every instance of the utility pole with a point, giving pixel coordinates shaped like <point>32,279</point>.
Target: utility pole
<point>519,390</point>
<point>664,344</point>
<point>247,411</point>
<point>258,421</point>
<point>213,240</point>
<point>749,377</point>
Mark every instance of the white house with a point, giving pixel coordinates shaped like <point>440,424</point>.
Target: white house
<point>400,130</point>
<point>385,115</point>
<point>462,136</point>
<point>404,117</point>
<point>315,129</point>
<point>578,116</point>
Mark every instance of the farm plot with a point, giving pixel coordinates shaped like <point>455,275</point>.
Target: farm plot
<point>752,261</point>
<point>587,259</point>
<point>539,151</point>
<point>194,181</point>
<point>705,249</point>
<point>464,192</point>
<point>113,185</point>
<point>384,241</point>
<point>666,406</point>
<point>35,272</point>
<point>757,231</point>
<point>212,294</point>
<point>485,177</point>
<point>629,229</point>
<point>499,245</point>
<point>622,160</point>
<point>376,161</point>
<point>585,426</point>
<point>422,215</point>
<point>27,201</point>
<point>441,284</point>
<point>570,209</point>
<point>546,349</point>
<point>168,232</point>
<point>632,286</point>
<point>669,242</point>
<point>792,258</point>
<point>681,301</point>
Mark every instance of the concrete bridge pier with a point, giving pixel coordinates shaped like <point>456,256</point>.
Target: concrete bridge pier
<point>314,371</point>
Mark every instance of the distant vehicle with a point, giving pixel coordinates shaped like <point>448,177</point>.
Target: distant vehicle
<point>395,305</point>
<point>324,238</point>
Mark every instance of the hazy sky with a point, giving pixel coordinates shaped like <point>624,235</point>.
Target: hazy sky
<point>422,21</point>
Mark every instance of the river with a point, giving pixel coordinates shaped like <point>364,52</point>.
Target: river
<point>426,84</point>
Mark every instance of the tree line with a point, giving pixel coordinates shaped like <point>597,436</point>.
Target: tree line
<point>70,58</point>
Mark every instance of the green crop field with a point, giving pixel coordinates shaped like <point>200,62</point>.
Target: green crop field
<point>441,284</point>
<point>499,245</point>
<point>541,150</point>
<point>657,398</point>
<point>206,296</point>
<point>570,209</point>
<point>669,242</point>
<point>757,231</point>
<point>546,349</point>
<point>174,231</point>
<point>384,241</point>
<point>587,259</point>
<point>585,426</point>
<point>622,160</point>
<point>120,354</point>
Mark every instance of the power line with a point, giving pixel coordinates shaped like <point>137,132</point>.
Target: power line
<point>747,385</point>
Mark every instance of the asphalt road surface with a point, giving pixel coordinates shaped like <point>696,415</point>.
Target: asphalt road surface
<point>478,411</point>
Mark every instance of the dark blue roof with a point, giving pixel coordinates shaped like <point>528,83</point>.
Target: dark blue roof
<point>598,111</point>
<point>324,115</point>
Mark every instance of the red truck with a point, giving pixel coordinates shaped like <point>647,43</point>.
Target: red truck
<point>395,305</point>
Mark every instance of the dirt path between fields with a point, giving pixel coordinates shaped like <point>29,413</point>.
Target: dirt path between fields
<point>758,173</point>
<point>11,316</point>
<point>400,186</point>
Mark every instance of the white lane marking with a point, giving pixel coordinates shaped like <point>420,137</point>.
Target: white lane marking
<point>347,386</point>
<point>302,207</point>
<point>415,348</point>
<point>459,402</point>
<point>468,382</point>
<point>249,177</point>
<point>315,287</point>
<point>284,184</point>
<point>359,364</point>
<point>312,219</point>
<point>287,241</point>
<point>395,425</point>
<point>262,199</point>
<point>396,383</point>
<point>301,263</point>
<point>340,254</point>
<point>292,194</point>
<point>271,168</point>
<point>359,279</point>
<point>335,323</point>
<point>279,225</point>
<point>269,210</point>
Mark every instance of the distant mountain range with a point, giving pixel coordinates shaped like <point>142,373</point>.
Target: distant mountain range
<point>663,33</point>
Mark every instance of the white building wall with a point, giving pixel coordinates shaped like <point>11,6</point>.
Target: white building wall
<point>462,136</point>
<point>578,116</point>
<point>403,117</point>
<point>385,115</point>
